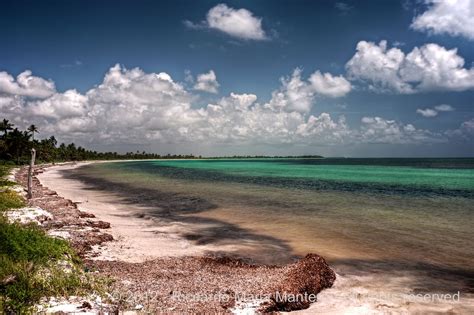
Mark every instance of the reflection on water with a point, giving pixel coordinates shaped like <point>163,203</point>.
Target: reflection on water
<point>395,216</point>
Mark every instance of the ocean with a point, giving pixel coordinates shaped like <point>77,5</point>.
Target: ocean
<point>406,224</point>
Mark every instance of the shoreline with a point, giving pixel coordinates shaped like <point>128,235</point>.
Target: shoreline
<point>133,256</point>
<point>145,280</point>
<point>135,239</point>
<point>139,236</point>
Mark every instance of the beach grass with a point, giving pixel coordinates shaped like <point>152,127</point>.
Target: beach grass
<point>10,200</point>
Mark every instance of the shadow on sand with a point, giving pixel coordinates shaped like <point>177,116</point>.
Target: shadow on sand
<point>178,208</point>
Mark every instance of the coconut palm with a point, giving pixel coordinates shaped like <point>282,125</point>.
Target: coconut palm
<point>33,129</point>
<point>5,125</point>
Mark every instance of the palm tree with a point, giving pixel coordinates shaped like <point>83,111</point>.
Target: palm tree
<point>5,125</point>
<point>53,141</point>
<point>33,129</point>
<point>18,143</point>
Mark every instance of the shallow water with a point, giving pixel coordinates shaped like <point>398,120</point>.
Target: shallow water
<point>409,218</point>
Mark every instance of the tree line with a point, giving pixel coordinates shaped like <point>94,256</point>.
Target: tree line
<point>16,145</point>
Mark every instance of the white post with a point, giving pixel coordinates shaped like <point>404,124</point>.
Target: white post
<point>30,173</point>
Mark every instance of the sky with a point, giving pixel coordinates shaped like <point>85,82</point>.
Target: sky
<point>335,78</point>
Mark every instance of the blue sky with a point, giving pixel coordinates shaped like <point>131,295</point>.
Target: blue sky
<point>75,44</point>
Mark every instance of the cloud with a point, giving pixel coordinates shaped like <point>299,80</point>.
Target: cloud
<point>188,76</point>
<point>61,105</point>
<point>467,127</point>
<point>329,85</point>
<point>380,130</point>
<point>131,106</point>
<point>344,8</point>
<point>452,17</point>
<point>379,66</point>
<point>238,23</point>
<point>75,64</point>
<point>297,94</point>
<point>207,82</point>
<point>427,68</point>
<point>464,132</point>
<point>194,26</point>
<point>444,108</point>
<point>427,112</point>
<point>433,112</point>
<point>26,85</point>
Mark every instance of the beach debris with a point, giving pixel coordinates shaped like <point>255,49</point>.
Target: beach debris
<point>84,214</point>
<point>301,284</point>
<point>98,224</point>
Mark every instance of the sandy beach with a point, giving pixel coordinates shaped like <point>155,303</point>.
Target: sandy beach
<point>153,268</point>
<point>138,236</point>
<point>135,239</point>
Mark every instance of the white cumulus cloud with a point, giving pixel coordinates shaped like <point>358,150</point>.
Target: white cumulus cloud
<point>238,23</point>
<point>131,106</point>
<point>26,85</point>
<point>453,17</point>
<point>444,108</point>
<point>329,85</point>
<point>297,94</point>
<point>426,68</point>
<point>207,82</point>
<point>427,112</point>
<point>433,112</point>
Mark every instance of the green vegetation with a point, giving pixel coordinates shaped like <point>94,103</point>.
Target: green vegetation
<point>10,200</point>
<point>34,265</point>
<point>4,169</point>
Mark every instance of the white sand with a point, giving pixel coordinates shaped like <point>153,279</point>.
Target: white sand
<point>136,239</point>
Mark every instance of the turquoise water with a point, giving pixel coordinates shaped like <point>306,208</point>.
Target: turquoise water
<point>317,170</point>
<point>400,215</point>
